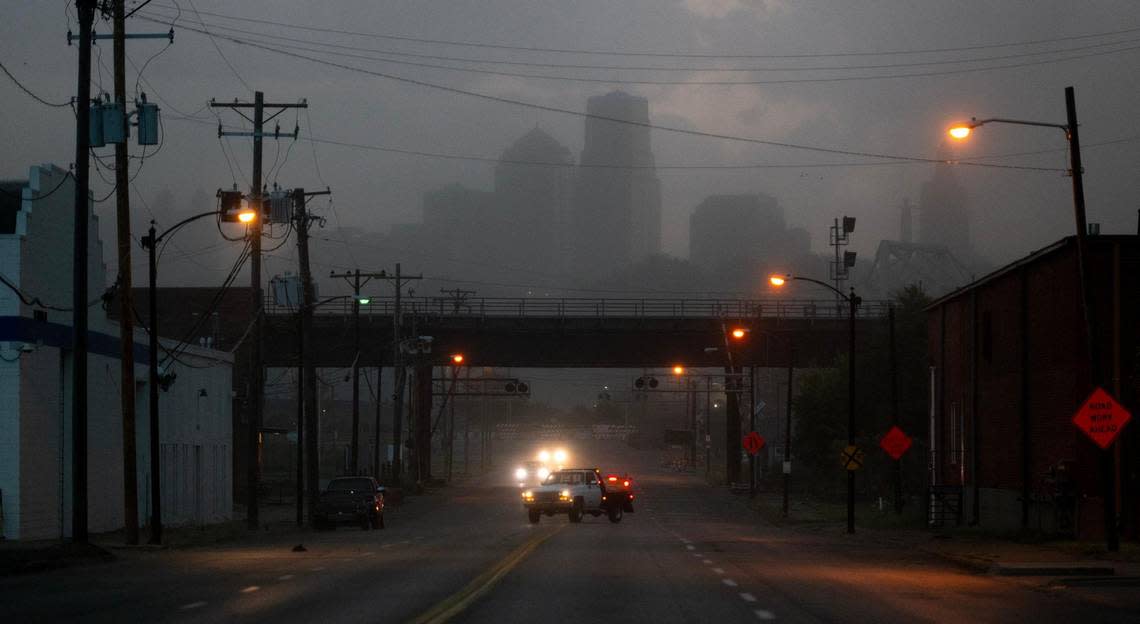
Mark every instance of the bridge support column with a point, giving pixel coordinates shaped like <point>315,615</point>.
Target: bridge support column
<point>422,428</point>
<point>732,438</point>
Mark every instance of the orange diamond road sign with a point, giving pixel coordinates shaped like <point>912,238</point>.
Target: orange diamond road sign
<point>753,442</point>
<point>895,443</point>
<point>1101,418</point>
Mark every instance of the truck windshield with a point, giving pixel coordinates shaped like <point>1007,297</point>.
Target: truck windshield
<point>350,485</point>
<point>571,478</point>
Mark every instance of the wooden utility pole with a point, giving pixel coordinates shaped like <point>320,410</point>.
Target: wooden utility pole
<point>126,305</point>
<point>256,396</point>
<point>310,425</point>
<point>86,12</point>
<point>398,280</point>
<point>354,279</point>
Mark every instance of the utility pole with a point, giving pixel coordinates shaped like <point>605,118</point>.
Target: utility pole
<point>398,280</point>
<point>126,306</point>
<point>302,220</point>
<point>353,278</point>
<point>300,490</point>
<point>376,443</point>
<point>256,396</point>
<point>787,467</point>
<point>86,11</point>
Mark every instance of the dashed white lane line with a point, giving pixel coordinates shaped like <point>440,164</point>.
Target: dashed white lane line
<point>696,554</point>
<point>706,561</point>
<point>764,614</point>
<point>192,605</point>
<point>317,569</point>
<point>729,582</point>
<point>690,547</point>
<point>250,589</point>
<point>718,570</point>
<point>285,577</point>
<point>386,546</point>
<point>747,597</point>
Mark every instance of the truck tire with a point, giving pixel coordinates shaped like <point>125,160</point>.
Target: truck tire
<point>380,520</point>
<point>533,515</point>
<point>576,511</point>
<point>615,513</point>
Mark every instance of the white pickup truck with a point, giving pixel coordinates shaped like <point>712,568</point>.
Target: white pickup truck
<point>576,492</point>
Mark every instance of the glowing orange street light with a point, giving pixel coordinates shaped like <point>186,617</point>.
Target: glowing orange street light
<point>960,131</point>
<point>247,215</point>
<point>739,333</point>
<point>457,359</point>
<point>678,370</point>
<point>777,280</point>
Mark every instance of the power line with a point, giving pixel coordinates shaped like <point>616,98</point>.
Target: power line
<point>779,81</point>
<point>521,48</point>
<point>219,49</point>
<point>275,39</point>
<point>30,92</point>
<point>971,161</point>
<point>565,111</point>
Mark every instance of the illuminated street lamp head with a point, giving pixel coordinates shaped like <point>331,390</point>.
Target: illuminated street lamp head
<point>960,131</point>
<point>678,370</point>
<point>777,280</point>
<point>739,333</point>
<point>247,215</point>
<point>363,300</point>
<point>457,358</point>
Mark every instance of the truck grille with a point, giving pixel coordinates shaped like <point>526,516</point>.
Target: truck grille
<point>546,497</point>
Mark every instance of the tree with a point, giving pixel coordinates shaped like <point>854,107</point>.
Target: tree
<point>821,405</point>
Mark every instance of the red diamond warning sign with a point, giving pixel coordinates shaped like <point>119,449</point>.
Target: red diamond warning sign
<point>1101,418</point>
<point>753,442</point>
<point>895,443</point>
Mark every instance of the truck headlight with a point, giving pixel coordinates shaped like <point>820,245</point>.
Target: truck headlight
<point>520,474</point>
<point>528,495</point>
<point>564,495</point>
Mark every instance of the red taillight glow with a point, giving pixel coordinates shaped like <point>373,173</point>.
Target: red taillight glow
<point>627,484</point>
<point>611,478</point>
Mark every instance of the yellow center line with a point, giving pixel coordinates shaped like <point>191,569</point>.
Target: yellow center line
<point>458,602</point>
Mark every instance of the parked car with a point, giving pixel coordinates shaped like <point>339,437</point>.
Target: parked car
<point>351,500</point>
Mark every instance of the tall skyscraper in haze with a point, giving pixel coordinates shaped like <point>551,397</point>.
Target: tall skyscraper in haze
<point>533,203</point>
<point>944,217</point>
<point>617,207</point>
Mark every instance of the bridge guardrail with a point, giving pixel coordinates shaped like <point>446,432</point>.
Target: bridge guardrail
<point>547,307</point>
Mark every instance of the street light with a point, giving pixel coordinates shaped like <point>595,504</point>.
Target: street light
<point>678,370</point>
<point>1070,128</point>
<point>150,243</point>
<point>853,302</point>
<point>739,333</point>
<point>457,359</point>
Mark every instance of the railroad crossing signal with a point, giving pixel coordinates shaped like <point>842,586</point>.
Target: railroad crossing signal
<point>851,458</point>
<point>1101,418</point>
<point>753,442</point>
<point>896,443</point>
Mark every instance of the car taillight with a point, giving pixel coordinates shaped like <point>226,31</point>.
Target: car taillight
<point>627,484</point>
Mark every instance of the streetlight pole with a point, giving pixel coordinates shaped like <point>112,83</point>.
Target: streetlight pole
<point>150,243</point>
<point>853,302</point>
<point>1071,129</point>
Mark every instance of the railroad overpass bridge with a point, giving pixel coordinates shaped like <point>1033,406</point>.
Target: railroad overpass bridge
<point>573,333</point>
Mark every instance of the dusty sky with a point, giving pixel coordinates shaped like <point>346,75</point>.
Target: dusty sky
<point>1023,56</point>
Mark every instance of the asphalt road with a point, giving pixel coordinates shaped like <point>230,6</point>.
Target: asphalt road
<point>689,554</point>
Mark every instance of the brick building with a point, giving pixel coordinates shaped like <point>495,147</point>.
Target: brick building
<point>1008,368</point>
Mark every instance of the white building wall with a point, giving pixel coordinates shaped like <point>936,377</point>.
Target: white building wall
<point>35,411</point>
